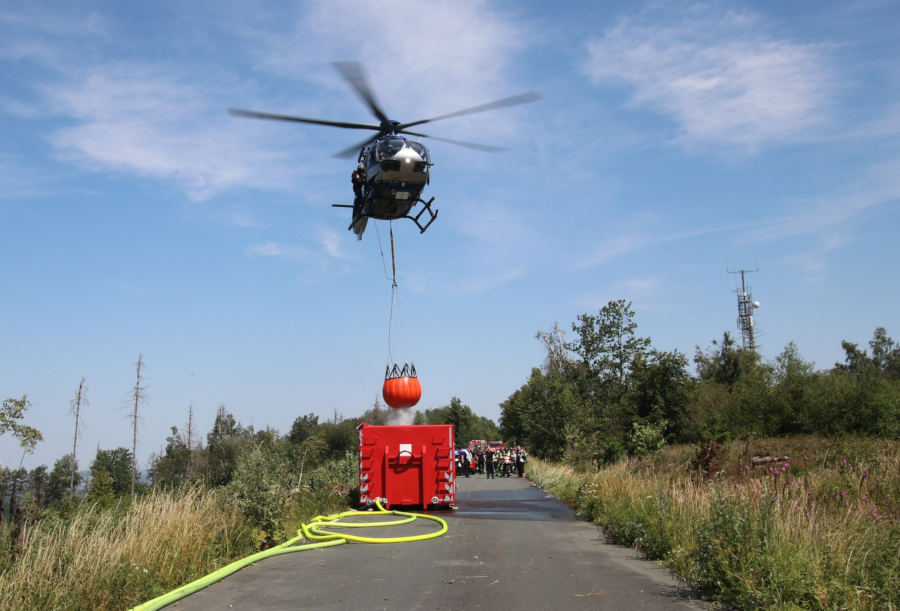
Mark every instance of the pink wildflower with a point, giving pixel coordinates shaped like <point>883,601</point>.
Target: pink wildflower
<point>842,494</point>
<point>843,461</point>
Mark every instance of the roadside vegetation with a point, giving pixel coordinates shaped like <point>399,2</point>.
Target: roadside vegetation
<point>659,455</point>
<point>72,540</point>
<point>662,459</point>
<point>818,529</point>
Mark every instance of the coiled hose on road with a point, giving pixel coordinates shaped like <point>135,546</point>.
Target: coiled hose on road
<point>312,531</point>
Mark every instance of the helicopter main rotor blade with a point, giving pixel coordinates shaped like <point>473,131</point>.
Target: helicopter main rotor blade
<point>522,98</point>
<point>487,148</point>
<point>354,75</point>
<point>236,112</point>
<point>352,151</point>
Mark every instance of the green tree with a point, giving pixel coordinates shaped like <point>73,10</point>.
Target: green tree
<point>661,384</point>
<point>12,411</point>
<point>536,414</point>
<point>38,480</point>
<point>456,413</point>
<point>117,465</point>
<point>885,354</point>
<point>171,468</point>
<point>13,483</point>
<point>261,483</point>
<point>340,437</point>
<point>303,428</point>
<point>746,381</point>
<point>791,410</point>
<point>884,362</point>
<point>608,345</point>
<point>102,488</point>
<point>59,484</point>
<point>224,444</point>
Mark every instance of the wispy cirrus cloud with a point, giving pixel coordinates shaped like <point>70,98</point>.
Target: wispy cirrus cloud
<point>281,251</point>
<point>814,260</point>
<point>488,280</point>
<point>323,249</point>
<point>721,76</point>
<point>159,122</point>
<point>477,43</point>
<point>628,243</point>
<point>822,215</point>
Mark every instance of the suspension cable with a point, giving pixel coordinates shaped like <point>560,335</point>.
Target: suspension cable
<point>381,250</point>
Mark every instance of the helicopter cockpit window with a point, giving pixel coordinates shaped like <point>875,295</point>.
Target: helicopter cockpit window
<point>389,147</point>
<point>419,149</point>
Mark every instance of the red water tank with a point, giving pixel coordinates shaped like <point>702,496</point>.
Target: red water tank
<point>407,465</point>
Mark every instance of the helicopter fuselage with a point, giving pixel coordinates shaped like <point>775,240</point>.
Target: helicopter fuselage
<point>397,170</point>
<point>391,174</point>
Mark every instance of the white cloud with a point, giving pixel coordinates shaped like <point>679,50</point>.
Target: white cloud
<point>720,76</point>
<point>166,120</point>
<point>628,243</point>
<point>333,244</point>
<point>154,121</point>
<point>487,280</point>
<point>437,57</point>
<point>876,185</point>
<point>814,261</point>
<point>641,285</point>
<point>615,247</point>
<point>326,254</point>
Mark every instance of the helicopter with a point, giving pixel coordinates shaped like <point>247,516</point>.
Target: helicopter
<point>392,169</point>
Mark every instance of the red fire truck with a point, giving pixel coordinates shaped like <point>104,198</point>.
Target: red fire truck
<point>407,465</point>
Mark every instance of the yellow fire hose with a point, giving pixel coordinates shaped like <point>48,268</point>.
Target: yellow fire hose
<point>312,531</point>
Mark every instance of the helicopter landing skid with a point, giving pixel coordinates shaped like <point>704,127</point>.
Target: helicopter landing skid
<point>426,207</point>
<point>432,213</point>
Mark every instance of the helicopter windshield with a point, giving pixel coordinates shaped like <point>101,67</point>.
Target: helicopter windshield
<point>389,147</point>
<point>420,149</point>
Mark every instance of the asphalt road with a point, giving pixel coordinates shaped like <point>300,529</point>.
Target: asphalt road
<point>510,546</point>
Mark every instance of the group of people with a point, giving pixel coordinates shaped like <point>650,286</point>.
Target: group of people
<point>493,462</point>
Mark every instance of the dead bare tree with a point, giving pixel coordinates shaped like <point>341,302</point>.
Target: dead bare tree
<point>139,395</point>
<point>189,441</point>
<point>80,398</point>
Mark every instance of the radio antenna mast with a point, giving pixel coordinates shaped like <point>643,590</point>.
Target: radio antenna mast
<point>746,305</point>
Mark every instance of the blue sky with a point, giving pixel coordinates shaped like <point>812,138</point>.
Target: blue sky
<point>674,141</point>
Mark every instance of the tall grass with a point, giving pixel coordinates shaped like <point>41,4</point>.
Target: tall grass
<point>820,530</point>
<point>115,559</point>
<point>121,556</point>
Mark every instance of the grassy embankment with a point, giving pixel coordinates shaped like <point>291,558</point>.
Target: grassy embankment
<point>818,531</point>
<point>119,557</point>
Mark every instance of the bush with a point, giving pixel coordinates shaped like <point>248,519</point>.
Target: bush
<point>647,438</point>
<point>261,487</point>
